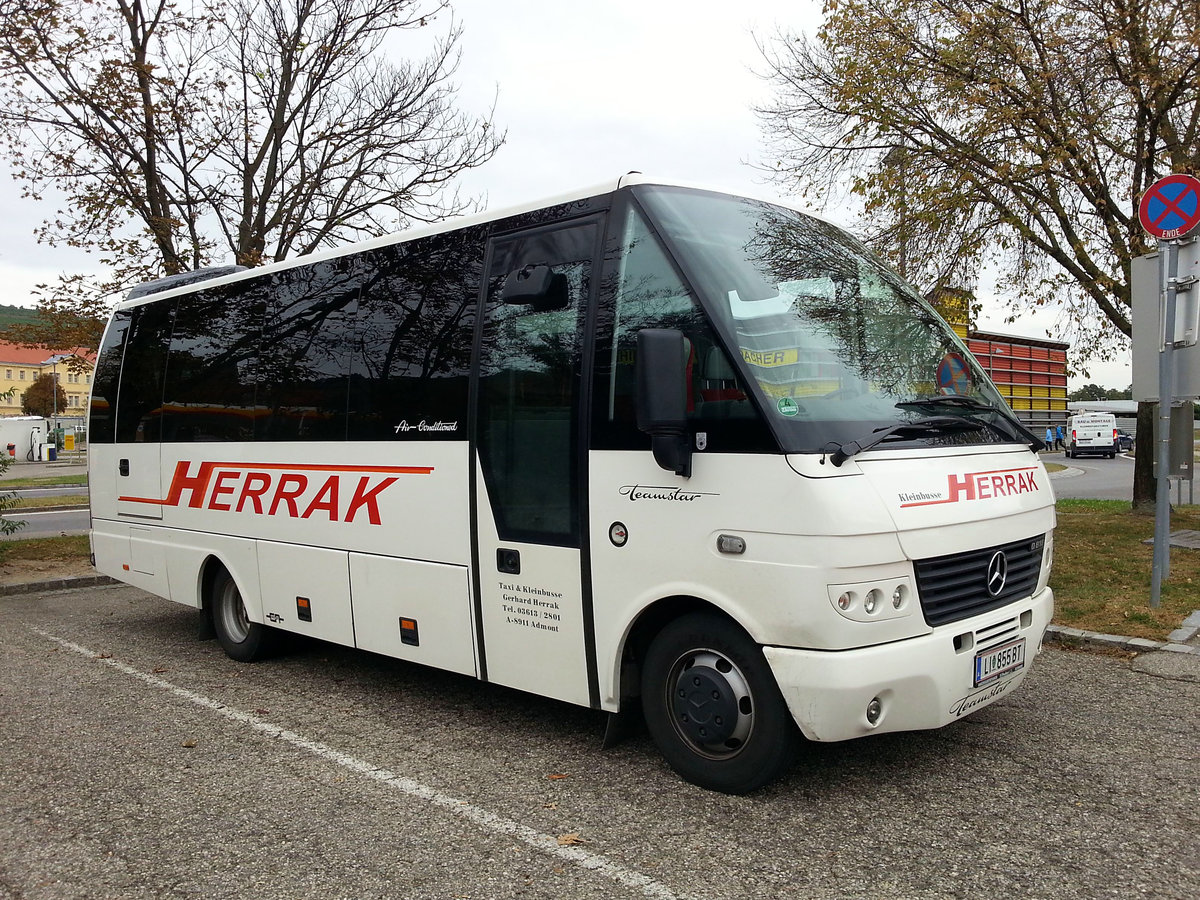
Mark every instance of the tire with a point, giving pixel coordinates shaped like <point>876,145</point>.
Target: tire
<point>240,638</point>
<point>713,708</point>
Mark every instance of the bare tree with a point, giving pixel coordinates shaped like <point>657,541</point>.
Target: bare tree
<point>185,133</point>
<point>1019,133</point>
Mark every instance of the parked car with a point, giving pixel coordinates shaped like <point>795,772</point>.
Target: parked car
<point>1124,440</point>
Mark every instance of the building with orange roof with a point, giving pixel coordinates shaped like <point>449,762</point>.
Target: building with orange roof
<point>20,366</point>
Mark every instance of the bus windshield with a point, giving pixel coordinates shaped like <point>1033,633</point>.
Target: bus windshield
<point>837,347</point>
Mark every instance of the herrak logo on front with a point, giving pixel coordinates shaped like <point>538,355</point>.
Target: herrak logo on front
<point>339,493</point>
<point>976,486</point>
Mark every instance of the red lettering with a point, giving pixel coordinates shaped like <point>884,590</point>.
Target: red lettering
<point>181,481</point>
<point>298,485</point>
<point>326,499</point>
<point>958,486</point>
<point>368,499</point>
<point>220,488</point>
<point>253,488</point>
<point>1010,482</point>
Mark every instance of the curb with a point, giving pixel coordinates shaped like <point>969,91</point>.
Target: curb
<point>1093,640</point>
<point>58,584</point>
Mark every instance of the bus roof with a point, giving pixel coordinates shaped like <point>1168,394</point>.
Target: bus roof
<point>219,275</point>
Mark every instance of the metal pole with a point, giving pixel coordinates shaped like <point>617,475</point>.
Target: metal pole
<point>1168,259</point>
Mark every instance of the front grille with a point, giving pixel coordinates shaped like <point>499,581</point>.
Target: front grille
<point>956,586</point>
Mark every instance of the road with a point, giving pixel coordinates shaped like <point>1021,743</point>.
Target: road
<point>141,762</point>
<point>1093,477</point>
<point>49,523</point>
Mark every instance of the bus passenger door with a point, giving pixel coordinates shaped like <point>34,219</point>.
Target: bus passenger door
<point>530,596</point>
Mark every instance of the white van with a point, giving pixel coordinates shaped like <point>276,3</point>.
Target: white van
<point>1092,433</point>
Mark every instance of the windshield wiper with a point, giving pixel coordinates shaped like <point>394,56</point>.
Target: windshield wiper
<point>1013,427</point>
<point>934,425</point>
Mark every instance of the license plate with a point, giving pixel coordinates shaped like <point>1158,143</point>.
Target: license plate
<point>992,665</point>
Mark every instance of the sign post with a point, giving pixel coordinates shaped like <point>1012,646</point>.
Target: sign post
<point>1169,210</point>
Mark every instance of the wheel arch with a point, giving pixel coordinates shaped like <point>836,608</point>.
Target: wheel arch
<point>643,629</point>
<point>210,567</point>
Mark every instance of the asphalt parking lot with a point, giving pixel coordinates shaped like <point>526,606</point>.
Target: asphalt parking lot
<point>141,762</point>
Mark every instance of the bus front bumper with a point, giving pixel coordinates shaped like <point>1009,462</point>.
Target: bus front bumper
<point>919,683</point>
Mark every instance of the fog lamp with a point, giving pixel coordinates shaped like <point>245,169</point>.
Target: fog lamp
<point>874,711</point>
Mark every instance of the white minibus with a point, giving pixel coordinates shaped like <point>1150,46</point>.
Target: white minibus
<point>642,447</point>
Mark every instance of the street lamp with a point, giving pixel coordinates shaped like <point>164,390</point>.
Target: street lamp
<point>53,362</point>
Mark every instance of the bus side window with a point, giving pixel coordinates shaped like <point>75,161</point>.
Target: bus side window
<point>102,417</point>
<point>208,392</point>
<point>304,361</point>
<point>415,328</point>
<point>641,289</point>
<point>140,396</point>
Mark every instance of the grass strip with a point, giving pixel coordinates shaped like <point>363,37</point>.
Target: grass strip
<point>1101,576</point>
<point>60,500</point>
<point>8,484</point>
<point>75,546</point>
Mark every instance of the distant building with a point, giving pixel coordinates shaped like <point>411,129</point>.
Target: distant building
<point>20,366</point>
<point>1031,374</point>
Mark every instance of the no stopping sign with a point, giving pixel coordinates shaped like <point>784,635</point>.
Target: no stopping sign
<point>1170,208</point>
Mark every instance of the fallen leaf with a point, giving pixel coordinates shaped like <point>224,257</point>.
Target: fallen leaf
<point>159,670</point>
<point>262,712</point>
<point>558,776</point>
<point>549,806</point>
<point>566,840</point>
<point>188,743</point>
<point>103,656</point>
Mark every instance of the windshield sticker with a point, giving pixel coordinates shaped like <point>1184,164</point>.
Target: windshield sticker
<point>787,407</point>
<point>976,486</point>
<point>954,375</point>
<point>768,359</point>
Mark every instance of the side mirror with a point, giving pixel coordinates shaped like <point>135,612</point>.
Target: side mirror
<point>662,397</point>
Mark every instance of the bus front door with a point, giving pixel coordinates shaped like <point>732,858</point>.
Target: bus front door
<point>531,594</point>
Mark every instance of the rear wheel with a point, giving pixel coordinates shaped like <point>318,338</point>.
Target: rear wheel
<point>240,638</point>
<point>713,707</point>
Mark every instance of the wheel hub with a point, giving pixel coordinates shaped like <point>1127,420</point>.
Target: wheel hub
<point>705,705</point>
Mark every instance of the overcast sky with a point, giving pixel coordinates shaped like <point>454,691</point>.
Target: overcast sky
<point>587,91</point>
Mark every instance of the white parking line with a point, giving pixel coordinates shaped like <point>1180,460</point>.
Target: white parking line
<point>545,843</point>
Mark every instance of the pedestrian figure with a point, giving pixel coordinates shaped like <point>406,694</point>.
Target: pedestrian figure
<point>1058,437</point>
<point>1049,438</point>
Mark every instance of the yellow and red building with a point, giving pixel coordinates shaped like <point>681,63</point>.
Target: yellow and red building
<point>20,366</point>
<point>1030,373</point>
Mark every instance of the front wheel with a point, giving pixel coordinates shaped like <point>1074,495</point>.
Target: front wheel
<point>240,638</point>
<point>713,708</point>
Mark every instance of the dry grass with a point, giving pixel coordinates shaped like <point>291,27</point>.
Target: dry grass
<point>1101,576</point>
<point>70,547</point>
